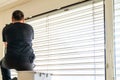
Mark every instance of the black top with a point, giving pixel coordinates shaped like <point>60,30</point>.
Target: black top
<point>19,42</point>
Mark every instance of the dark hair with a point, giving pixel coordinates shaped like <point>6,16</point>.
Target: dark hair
<point>18,15</point>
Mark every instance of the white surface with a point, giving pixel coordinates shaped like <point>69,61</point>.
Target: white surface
<point>30,75</point>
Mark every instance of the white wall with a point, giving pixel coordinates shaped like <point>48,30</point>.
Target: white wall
<point>30,8</point>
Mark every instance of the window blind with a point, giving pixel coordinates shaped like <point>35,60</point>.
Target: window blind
<point>70,43</point>
<point>117,38</point>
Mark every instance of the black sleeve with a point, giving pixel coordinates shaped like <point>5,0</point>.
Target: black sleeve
<point>3,34</point>
<point>32,33</point>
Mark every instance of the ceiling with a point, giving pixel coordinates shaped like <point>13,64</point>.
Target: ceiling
<point>6,4</point>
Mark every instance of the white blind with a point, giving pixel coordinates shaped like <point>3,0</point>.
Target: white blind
<point>70,44</point>
<point>117,38</point>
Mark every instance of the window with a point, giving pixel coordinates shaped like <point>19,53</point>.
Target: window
<point>69,43</point>
<point>117,38</point>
